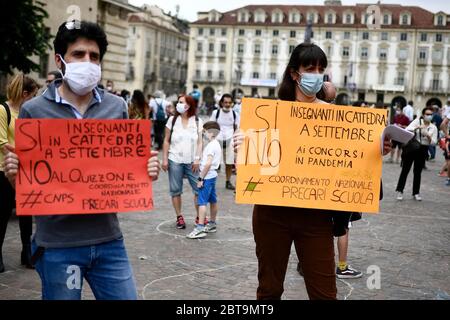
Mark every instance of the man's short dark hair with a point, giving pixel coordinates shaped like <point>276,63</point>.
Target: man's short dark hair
<point>70,32</point>
<point>56,74</point>
<point>410,103</point>
<point>225,95</point>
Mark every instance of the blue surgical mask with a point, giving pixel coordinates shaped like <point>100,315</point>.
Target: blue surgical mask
<point>310,83</point>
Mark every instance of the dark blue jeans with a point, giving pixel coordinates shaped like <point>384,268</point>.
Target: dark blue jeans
<point>105,267</point>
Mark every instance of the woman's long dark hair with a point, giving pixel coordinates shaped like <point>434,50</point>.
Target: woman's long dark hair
<point>138,100</point>
<point>304,55</point>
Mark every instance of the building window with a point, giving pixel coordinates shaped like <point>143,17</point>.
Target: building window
<point>199,46</point>
<point>198,73</point>
<point>383,53</point>
<point>273,75</point>
<point>403,36</point>
<point>328,35</point>
<point>258,32</point>
<point>438,37</point>
<point>348,18</point>
<point>209,74</point>
<point>311,17</point>
<point>223,32</point>
<point>435,83</point>
<point>440,20</point>
<point>276,33</point>
<point>329,51</point>
<point>345,51</point>
<point>271,92</point>
<point>386,19</point>
<point>275,49</point>
<point>423,37</point>
<point>293,34</point>
<point>365,36</point>
<point>255,75</point>
<point>364,53</point>
<point>403,54</point>
<point>404,19</point>
<point>384,36</point>
<point>330,18</point>
<point>221,75</point>
<point>200,31</point>
<point>312,34</point>
<point>400,78</point>
<point>223,47</point>
<point>212,31</point>
<point>240,48</point>
<point>346,35</point>
<point>423,54</point>
<point>211,47</point>
<point>291,49</point>
<point>241,32</point>
<point>257,49</point>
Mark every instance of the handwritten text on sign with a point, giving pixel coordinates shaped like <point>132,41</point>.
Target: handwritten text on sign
<point>82,166</point>
<point>310,155</point>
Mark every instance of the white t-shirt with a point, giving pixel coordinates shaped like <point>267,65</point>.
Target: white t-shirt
<point>445,111</point>
<point>212,149</point>
<point>421,135</point>
<point>154,105</point>
<point>226,122</point>
<point>237,108</point>
<point>409,112</point>
<point>183,145</point>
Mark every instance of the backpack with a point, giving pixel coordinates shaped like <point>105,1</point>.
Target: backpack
<point>8,112</point>
<point>173,124</point>
<point>160,114</point>
<point>234,118</point>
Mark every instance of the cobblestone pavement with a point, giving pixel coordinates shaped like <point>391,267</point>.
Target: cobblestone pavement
<point>408,241</point>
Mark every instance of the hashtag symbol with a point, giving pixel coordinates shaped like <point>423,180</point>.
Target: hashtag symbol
<point>32,199</point>
<point>251,186</point>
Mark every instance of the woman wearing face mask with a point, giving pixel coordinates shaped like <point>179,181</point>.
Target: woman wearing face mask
<point>427,134</point>
<point>21,89</point>
<point>182,151</point>
<point>311,230</point>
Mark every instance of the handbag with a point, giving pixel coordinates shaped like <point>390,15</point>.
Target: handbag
<point>412,146</point>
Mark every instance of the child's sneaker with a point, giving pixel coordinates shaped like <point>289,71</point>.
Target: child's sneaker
<point>180,223</point>
<point>197,233</point>
<point>211,227</point>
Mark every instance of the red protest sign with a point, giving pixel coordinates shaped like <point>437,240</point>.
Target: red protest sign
<point>82,166</point>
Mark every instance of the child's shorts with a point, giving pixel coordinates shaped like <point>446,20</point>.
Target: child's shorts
<point>207,193</point>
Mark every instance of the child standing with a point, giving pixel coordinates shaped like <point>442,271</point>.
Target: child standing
<point>207,181</point>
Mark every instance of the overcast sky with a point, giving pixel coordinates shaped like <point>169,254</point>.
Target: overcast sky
<point>189,8</point>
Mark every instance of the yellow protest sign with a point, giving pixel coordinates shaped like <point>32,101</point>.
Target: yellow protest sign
<point>310,155</point>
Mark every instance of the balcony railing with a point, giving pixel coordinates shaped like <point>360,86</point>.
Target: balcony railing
<point>212,80</point>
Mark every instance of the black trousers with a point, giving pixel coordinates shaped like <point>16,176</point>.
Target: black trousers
<point>418,159</point>
<point>7,204</point>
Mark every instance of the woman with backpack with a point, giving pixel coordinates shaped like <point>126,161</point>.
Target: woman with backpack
<point>182,151</point>
<point>416,151</point>
<point>21,89</point>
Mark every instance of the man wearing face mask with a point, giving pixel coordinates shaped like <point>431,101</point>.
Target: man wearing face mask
<point>228,121</point>
<point>69,248</point>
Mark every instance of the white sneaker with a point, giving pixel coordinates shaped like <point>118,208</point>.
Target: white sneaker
<point>418,197</point>
<point>399,196</point>
<point>197,233</point>
<point>210,228</point>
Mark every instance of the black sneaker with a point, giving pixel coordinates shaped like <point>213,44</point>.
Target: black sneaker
<point>229,186</point>
<point>348,273</point>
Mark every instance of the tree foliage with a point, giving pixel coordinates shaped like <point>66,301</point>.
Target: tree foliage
<point>23,34</point>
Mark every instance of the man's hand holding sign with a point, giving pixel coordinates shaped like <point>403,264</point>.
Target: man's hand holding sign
<point>310,155</point>
<point>88,166</point>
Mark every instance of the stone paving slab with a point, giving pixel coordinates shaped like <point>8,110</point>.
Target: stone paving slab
<point>408,241</point>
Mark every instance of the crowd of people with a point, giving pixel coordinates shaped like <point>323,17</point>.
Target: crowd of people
<point>191,146</point>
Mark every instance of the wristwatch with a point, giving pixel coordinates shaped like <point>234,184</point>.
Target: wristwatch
<point>200,179</point>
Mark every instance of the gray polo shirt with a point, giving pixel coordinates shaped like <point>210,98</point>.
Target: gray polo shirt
<point>65,231</point>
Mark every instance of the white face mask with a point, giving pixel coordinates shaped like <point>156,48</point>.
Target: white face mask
<point>181,108</point>
<point>82,77</point>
